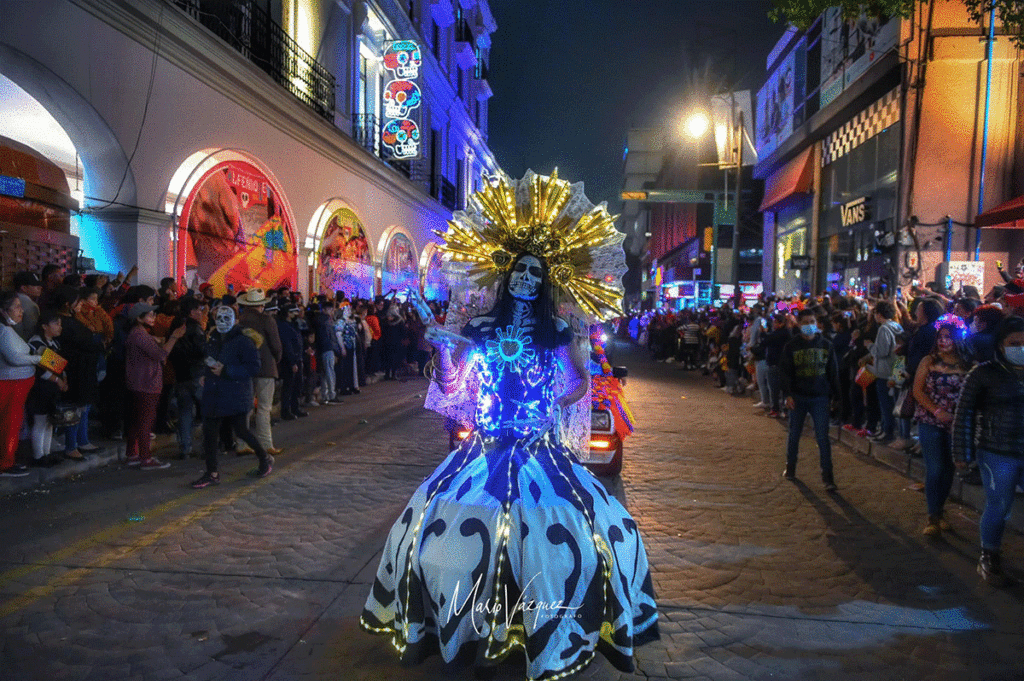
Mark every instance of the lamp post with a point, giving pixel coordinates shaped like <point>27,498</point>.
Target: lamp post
<point>736,223</point>
<point>697,125</point>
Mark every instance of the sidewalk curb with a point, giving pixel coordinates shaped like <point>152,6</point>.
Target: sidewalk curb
<point>38,478</point>
<point>972,496</point>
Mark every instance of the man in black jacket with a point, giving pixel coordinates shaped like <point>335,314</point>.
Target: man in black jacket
<point>290,367</point>
<point>187,359</point>
<point>810,375</point>
<point>773,347</point>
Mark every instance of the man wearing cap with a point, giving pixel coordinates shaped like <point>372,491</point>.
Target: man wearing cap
<point>262,329</point>
<point>29,287</point>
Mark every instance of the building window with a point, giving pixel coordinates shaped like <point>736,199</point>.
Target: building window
<point>364,84</point>
<point>436,40</point>
<point>459,81</point>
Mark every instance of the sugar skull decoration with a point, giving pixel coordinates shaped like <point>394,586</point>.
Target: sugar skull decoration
<point>399,97</point>
<point>404,58</point>
<point>402,138</point>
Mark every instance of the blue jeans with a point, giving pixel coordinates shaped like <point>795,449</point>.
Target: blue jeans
<point>1000,474</point>
<point>188,395</point>
<point>327,377</point>
<point>937,451</point>
<point>78,435</point>
<point>761,368</point>
<point>817,407</point>
<point>886,404</point>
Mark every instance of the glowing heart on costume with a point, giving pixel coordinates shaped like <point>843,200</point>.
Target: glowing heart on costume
<point>510,349</point>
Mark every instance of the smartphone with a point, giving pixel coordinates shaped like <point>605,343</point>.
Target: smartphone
<point>211,362</point>
<point>231,288</point>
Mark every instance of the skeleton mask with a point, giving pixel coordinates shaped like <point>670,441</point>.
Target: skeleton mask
<point>224,319</point>
<point>346,312</point>
<point>526,278</point>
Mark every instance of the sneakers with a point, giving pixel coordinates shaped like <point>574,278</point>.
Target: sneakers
<point>789,473</point>
<point>15,471</point>
<point>760,405</point>
<point>207,480</point>
<point>90,449</point>
<point>264,469</point>
<point>990,568</point>
<point>932,529</point>
<point>153,464</point>
<point>302,414</point>
<point>132,461</point>
<point>830,484</point>
<point>850,428</point>
<point>774,414</point>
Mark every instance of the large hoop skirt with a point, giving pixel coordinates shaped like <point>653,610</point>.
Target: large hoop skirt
<point>512,544</point>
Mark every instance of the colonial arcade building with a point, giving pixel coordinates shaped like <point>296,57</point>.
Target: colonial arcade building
<point>307,143</point>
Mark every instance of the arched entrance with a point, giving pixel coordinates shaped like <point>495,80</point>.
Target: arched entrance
<point>435,285</point>
<point>43,112</point>
<point>234,227</point>
<point>399,268</point>
<point>339,252</point>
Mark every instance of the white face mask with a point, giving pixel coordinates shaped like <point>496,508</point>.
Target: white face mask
<point>526,278</point>
<point>224,319</point>
<point>1014,355</point>
<point>974,327</point>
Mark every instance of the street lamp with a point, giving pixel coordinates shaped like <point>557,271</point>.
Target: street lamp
<point>697,125</point>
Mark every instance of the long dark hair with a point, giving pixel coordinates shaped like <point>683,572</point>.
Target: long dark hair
<point>7,299</point>
<point>545,332</point>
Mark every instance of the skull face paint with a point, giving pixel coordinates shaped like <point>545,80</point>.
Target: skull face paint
<point>224,319</point>
<point>527,275</point>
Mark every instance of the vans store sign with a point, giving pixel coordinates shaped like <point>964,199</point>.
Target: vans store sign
<point>858,210</point>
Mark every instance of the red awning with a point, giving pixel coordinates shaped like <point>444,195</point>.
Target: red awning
<point>796,177</point>
<point>1009,215</point>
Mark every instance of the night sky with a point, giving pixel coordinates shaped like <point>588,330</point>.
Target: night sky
<point>570,77</point>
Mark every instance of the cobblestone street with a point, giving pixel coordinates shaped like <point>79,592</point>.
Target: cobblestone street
<point>123,574</point>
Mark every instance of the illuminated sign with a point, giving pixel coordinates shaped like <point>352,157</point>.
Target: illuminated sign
<point>800,262</point>
<point>12,186</point>
<point>634,196</point>
<point>401,100</point>
<point>855,211</point>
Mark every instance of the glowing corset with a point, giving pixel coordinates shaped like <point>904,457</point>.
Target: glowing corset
<point>516,386</point>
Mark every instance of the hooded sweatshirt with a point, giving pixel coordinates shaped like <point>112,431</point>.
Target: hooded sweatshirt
<point>884,349</point>
<point>809,367</point>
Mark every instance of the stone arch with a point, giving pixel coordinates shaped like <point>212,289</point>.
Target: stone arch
<point>349,271</point>
<point>391,235</point>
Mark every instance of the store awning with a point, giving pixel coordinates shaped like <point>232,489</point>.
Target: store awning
<point>1009,215</point>
<point>795,177</point>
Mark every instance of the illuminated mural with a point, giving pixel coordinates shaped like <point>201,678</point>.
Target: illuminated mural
<point>234,233</point>
<point>399,269</point>
<point>435,286</point>
<point>344,262</point>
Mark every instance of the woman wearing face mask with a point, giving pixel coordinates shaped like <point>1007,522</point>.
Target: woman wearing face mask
<point>989,422</point>
<point>937,384</point>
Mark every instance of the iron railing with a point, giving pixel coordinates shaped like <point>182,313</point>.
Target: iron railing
<point>366,132</point>
<point>249,30</point>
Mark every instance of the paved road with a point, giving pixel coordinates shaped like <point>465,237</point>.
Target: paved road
<point>263,580</point>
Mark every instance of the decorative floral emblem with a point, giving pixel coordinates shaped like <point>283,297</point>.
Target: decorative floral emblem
<point>510,347</point>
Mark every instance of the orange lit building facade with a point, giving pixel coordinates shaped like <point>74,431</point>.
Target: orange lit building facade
<point>870,138</point>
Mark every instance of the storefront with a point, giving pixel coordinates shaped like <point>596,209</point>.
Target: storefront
<point>792,244</point>
<point>858,206</point>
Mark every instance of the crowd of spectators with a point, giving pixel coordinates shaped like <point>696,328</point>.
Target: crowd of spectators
<point>86,356</point>
<point>938,375</point>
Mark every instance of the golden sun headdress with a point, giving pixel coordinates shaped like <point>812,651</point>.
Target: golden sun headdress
<point>550,219</point>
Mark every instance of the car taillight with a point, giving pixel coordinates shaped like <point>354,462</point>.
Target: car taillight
<point>600,444</point>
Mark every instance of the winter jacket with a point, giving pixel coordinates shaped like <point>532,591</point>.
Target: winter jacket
<point>809,367</point>
<point>291,345</point>
<point>82,349</point>
<point>270,347</point>
<point>144,362</point>
<point>983,346</point>
<point>231,392</point>
<point>775,343</point>
<point>189,352</point>
<point>884,349</point>
<point>990,414</point>
<point>323,332</point>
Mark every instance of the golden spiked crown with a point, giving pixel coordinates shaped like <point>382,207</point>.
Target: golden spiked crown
<point>551,219</point>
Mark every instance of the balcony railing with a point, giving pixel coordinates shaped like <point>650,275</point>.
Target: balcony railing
<point>366,132</point>
<point>444,191</point>
<point>249,30</point>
